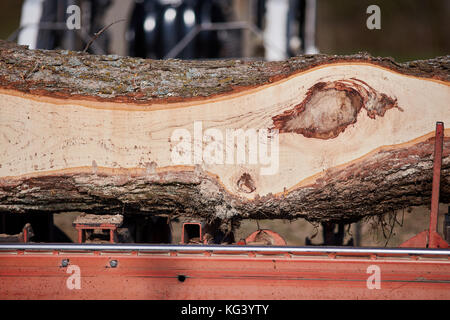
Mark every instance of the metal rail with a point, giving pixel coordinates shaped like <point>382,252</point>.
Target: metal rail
<point>225,248</point>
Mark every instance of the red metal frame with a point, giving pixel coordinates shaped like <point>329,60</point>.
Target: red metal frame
<point>160,275</point>
<point>25,234</point>
<point>430,238</point>
<point>183,240</point>
<point>83,227</point>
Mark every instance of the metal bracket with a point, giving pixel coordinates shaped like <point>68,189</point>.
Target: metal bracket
<point>430,238</point>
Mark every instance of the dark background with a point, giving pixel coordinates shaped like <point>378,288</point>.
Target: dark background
<point>410,29</point>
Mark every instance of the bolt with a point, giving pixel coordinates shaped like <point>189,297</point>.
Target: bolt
<point>113,263</point>
<point>64,263</point>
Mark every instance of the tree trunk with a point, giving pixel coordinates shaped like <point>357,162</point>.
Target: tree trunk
<point>326,138</point>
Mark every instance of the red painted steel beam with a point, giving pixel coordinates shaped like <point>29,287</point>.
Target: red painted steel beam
<point>129,275</point>
<point>438,148</point>
<point>433,239</point>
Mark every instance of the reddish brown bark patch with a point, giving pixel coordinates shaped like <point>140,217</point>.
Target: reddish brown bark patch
<point>330,107</point>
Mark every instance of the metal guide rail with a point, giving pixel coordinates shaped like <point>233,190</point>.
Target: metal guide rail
<point>29,247</point>
<point>122,271</point>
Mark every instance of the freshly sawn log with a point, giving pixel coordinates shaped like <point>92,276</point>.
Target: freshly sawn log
<point>326,138</point>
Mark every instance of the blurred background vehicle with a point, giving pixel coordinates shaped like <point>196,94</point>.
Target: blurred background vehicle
<point>251,29</point>
<point>186,29</point>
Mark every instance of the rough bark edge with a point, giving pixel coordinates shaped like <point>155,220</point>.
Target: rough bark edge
<point>385,181</point>
<point>111,78</point>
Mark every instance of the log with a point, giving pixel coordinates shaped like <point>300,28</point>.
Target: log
<point>326,138</point>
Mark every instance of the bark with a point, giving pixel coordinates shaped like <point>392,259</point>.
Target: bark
<point>143,81</point>
<point>80,132</point>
